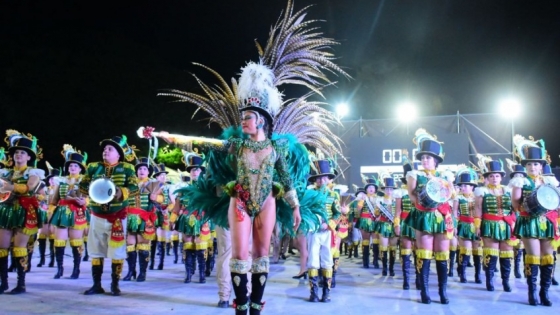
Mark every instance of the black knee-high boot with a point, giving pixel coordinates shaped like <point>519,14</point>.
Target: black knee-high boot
<point>96,272</point>
<point>161,249</point>
<point>350,249</point>
<point>336,263</point>
<point>406,271</point>
<point>241,301</point>
<point>365,256</point>
<point>505,270</point>
<point>424,266</point>
<point>21,266</point>
<point>153,248</point>
<point>209,258</point>
<point>463,262</point>
<point>51,253</point>
<point>517,263</point>
<point>258,283</point>
<point>42,250</point>
<point>201,265</point>
<point>131,262</point>
<point>442,273</point>
<point>313,285</point>
<point>3,274</point>
<point>477,268</point>
<point>417,274</point>
<point>77,258</point>
<point>452,257</point>
<point>86,253</point>
<point>546,280</point>
<point>532,271</point>
<point>189,263</point>
<point>392,257</point>
<point>176,251</point>
<point>327,281</point>
<point>375,250</point>
<point>59,253</point>
<point>384,256</point>
<point>489,268</point>
<point>116,270</point>
<point>143,259</point>
<point>30,249</point>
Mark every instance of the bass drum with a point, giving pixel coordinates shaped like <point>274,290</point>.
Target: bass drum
<point>543,199</point>
<point>435,192</point>
<point>102,190</point>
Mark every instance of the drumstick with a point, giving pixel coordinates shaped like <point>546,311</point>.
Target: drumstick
<point>148,132</point>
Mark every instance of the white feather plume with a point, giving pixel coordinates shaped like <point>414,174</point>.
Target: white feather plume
<point>256,77</point>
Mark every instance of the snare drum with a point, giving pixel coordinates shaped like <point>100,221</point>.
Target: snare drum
<point>435,192</point>
<point>543,199</point>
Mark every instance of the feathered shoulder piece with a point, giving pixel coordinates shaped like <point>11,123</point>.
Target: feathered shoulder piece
<point>522,146</point>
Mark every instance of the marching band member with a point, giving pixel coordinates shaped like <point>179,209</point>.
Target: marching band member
<point>353,215</point>
<point>464,208</point>
<point>433,222</point>
<point>51,181</point>
<point>547,172</point>
<point>385,227</point>
<point>537,229</point>
<point>406,233</point>
<point>190,224</point>
<point>107,234</point>
<point>517,170</point>
<point>366,222</point>
<point>160,197</point>
<point>141,220</point>
<point>69,217</point>
<point>320,242</point>
<point>18,212</point>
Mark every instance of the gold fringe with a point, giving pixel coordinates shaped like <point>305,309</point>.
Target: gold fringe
<point>116,244</point>
<point>477,251</point>
<point>97,261</point>
<point>366,243</point>
<point>490,251</point>
<point>335,253</point>
<point>424,254</point>
<point>532,260</point>
<point>547,260</point>
<point>20,252</point>
<point>375,241</point>
<point>188,246</point>
<point>313,272</point>
<point>406,251</point>
<point>383,248</point>
<point>441,256</point>
<point>3,252</point>
<point>76,243</point>
<point>200,246</point>
<point>453,248</point>
<point>117,261</point>
<point>42,237</point>
<point>174,237</point>
<point>506,254</point>
<point>143,247</point>
<point>130,248</point>
<point>59,243</point>
<point>392,248</point>
<point>513,242</point>
<point>327,273</point>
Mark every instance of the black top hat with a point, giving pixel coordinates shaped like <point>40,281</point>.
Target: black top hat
<point>52,173</point>
<point>466,179</point>
<point>195,161</point>
<point>388,182</point>
<point>533,154</point>
<point>494,167</point>
<point>518,169</point>
<point>323,169</point>
<point>547,171</point>
<point>158,169</point>
<point>371,182</point>
<point>119,143</point>
<point>432,148</point>
<point>27,145</point>
<point>359,190</point>
<point>144,161</point>
<point>75,158</point>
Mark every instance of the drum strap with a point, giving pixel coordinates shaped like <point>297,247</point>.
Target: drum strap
<point>465,219</point>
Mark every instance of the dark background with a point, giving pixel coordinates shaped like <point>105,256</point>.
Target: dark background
<point>79,72</point>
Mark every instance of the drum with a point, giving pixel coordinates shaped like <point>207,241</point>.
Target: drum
<point>436,191</point>
<point>543,199</point>
<point>102,190</point>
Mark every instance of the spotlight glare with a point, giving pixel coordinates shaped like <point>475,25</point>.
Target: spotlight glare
<point>407,111</point>
<point>510,107</point>
<point>342,110</point>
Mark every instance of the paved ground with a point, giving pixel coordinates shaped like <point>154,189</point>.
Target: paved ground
<point>358,291</point>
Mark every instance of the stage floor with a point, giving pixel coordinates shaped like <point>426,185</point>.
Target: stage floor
<point>358,291</point>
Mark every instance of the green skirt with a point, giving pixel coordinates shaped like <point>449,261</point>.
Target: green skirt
<point>534,227</point>
<point>465,231</point>
<point>63,217</point>
<point>12,216</point>
<point>366,224</point>
<point>189,225</point>
<point>43,216</point>
<point>385,229</point>
<point>407,231</point>
<point>496,230</point>
<point>425,221</point>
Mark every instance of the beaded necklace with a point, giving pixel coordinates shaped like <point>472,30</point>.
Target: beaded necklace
<point>256,146</point>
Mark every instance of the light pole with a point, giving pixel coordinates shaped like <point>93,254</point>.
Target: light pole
<point>510,108</point>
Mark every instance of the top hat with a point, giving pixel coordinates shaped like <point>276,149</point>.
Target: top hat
<point>119,143</point>
<point>323,168</point>
<point>371,182</point>
<point>518,169</point>
<point>73,156</point>
<point>158,169</point>
<point>430,147</point>
<point>494,167</point>
<point>467,178</point>
<point>53,172</point>
<point>18,141</point>
<point>194,161</point>
<point>547,171</point>
<point>533,154</point>
<point>388,182</point>
<point>144,161</point>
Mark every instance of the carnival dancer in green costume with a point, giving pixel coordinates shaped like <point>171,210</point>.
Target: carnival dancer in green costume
<point>69,217</point>
<point>140,222</point>
<point>536,226</point>
<point>385,225</point>
<point>366,221</point>
<point>45,233</point>
<point>18,212</point>
<point>431,217</point>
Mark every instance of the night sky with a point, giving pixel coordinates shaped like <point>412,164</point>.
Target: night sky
<point>79,72</point>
